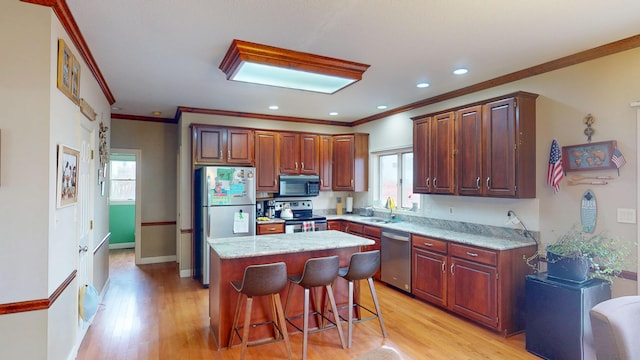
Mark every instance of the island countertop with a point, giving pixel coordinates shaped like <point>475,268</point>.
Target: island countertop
<point>261,245</point>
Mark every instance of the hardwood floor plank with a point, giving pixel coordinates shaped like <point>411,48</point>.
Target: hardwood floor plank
<point>149,312</point>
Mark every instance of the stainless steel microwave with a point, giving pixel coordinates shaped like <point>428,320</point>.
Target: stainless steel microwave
<point>299,185</point>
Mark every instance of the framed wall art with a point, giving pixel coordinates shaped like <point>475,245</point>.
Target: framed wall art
<point>590,156</point>
<point>68,72</point>
<point>67,183</point>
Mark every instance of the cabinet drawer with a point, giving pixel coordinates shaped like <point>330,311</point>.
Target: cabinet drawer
<point>372,231</point>
<point>264,229</point>
<point>355,228</point>
<point>483,256</point>
<point>429,244</point>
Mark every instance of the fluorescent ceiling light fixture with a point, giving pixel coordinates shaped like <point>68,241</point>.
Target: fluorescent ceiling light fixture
<point>268,65</point>
<point>460,71</point>
<point>422,84</point>
<point>274,107</point>
<point>382,107</point>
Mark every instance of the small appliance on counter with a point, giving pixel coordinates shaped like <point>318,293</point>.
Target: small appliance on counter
<point>298,216</point>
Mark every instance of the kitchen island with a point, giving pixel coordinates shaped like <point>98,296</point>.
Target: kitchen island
<point>230,256</point>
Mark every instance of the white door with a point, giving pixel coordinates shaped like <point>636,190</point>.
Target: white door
<point>85,216</point>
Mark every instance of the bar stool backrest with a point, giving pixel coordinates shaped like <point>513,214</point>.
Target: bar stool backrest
<point>319,271</point>
<point>264,279</point>
<point>363,265</point>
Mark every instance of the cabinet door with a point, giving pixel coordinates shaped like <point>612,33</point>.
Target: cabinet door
<point>343,162</point>
<point>473,290</point>
<point>325,161</point>
<point>240,146</point>
<point>469,151</point>
<point>429,276</point>
<point>309,148</point>
<point>500,147</point>
<point>421,156</point>
<point>266,155</point>
<point>209,144</point>
<point>442,160</point>
<point>335,225</point>
<point>289,153</point>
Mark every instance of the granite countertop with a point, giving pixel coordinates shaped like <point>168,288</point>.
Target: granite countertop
<point>260,245</point>
<point>477,235</point>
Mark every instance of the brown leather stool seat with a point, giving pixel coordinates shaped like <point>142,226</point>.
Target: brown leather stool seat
<point>318,272</point>
<point>261,280</point>
<point>362,266</point>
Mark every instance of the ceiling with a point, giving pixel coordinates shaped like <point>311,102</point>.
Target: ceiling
<point>157,55</point>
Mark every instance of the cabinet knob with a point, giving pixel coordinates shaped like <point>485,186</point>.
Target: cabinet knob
<point>435,183</point>
<point>451,269</point>
<point>228,154</point>
<point>296,165</point>
<point>488,180</point>
<point>472,254</point>
<point>478,183</point>
<point>428,244</point>
<point>443,267</point>
<point>428,183</point>
<point>220,153</point>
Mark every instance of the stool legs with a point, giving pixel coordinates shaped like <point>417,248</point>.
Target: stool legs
<point>283,323</point>
<point>245,329</point>
<point>350,319</point>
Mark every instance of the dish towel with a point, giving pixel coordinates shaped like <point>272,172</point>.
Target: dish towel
<point>308,226</point>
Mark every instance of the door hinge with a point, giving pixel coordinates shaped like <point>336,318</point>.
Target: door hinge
<point>90,224</point>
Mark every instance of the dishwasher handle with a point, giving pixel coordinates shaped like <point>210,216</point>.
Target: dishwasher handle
<point>396,236</point>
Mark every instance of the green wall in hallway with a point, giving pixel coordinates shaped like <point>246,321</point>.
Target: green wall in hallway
<point>122,223</point>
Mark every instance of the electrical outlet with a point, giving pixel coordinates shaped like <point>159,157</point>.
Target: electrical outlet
<point>450,210</point>
<point>627,216</point>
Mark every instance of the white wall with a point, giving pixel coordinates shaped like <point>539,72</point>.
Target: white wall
<point>38,245</point>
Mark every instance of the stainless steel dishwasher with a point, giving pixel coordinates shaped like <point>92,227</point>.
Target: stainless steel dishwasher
<point>395,254</point>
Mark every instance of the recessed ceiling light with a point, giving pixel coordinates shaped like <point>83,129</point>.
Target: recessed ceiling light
<point>268,65</point>
<point>274,107</point>
<point>422,84</point>
<point>460,71</point>
<point>382,107</point>
<point>157,113</point>
<point>333,113</point>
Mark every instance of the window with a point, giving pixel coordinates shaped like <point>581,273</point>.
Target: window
<point>395,179</point>
<point>123,180</point>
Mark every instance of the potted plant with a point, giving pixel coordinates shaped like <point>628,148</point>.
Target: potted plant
<point>578,256</point>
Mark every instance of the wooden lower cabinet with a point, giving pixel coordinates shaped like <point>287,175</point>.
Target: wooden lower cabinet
<point>264,229</point>
<point>366,231</point>
<point>483,285</point>
<point>335,225</point>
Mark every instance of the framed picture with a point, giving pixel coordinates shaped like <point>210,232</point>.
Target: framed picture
<point>65,70</point>
<point>67,183</point>
<point>75,80</point>
<point>590,156</point>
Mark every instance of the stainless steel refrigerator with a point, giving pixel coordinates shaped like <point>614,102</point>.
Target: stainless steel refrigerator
<point>225,198</point>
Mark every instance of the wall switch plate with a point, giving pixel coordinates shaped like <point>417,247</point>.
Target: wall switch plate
<point>627,216</point>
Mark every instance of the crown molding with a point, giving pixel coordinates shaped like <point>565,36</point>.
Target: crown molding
<point>63,13</point>
<point>183,109</point>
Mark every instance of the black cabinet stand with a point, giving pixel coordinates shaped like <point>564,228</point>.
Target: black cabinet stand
<point>557,319</point>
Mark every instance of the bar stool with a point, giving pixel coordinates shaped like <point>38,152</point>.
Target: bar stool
<point>261,280</point>
<point>362,266</point>
<point>318,272</point>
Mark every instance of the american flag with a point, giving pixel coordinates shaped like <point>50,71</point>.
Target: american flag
<point>617,158</point>
<point>555,172</point>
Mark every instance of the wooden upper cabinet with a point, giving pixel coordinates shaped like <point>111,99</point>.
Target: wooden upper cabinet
<point>267,160</point>
<point>434,154</point>
<point>422,156</point>
<point>489,152</point>
<point>325,161</point>
<point>240,147</point>
<point>442,161</point>
<point>215,145</point>
<point>509,158</point>
<point>350,162</point>
<point>469,151</point>
<point>299,154</point>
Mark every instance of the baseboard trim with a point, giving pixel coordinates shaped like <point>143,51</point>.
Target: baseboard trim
<point>127,245</point>
<point>157,259</point>
<point>186,273</point>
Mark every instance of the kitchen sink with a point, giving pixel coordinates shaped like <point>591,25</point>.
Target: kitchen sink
<point>380,220</point>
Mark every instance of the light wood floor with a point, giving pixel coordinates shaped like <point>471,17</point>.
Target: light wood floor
<point>149,312</point>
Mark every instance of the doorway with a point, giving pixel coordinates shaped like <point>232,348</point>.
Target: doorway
<point>124,200</point>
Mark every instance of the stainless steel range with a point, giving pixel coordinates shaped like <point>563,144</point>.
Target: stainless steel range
<point>301,217</point>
